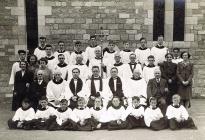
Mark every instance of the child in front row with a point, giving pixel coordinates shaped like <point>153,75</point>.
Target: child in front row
<point>44,116</point>
<point>153,116</point>
<point>23,116</point>
<point>178,116</point>
<point>99,114</point>
<point>65,118</point>
<point>135,114</point>
<point>116,114</point>
<point>83,115</point>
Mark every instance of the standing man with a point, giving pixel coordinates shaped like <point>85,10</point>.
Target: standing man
<point>40,50</point>
<point>61,50</point>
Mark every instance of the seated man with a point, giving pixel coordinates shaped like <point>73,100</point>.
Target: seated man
<point>158,88</point>
<point>57,89</point>
<point>96,87</point>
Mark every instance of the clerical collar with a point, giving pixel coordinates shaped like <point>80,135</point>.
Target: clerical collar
<point>132,63</point>
<point>159,46</point>
<point>116,107</point>
<point>41,48</point>
<point>42,108</point>
<point>127,50</point>
<point>136,107</point>
<point>177,57</point>
<point>24,109</point>
<point>57,82</point>
<point>150,66</point>
<point>50,58</point>
<point>60,109</point>
<point>60,51</point>
<point>97,108</point>
<point>96,78</point>
<point>153,108</point>
<point>142,48</point>
<point>78,52</point>
<point>98,58</point>
<point>79,64</point>
<point>114,78</point>
<point>176,106</point>
<point>62,65</point>
<point>118,64</point>
<point>139,78</point>
<point>110,51</point>
<point>81,108</point>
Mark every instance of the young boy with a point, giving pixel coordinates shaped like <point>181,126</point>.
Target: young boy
<point>135,114</point>
<point>65,120</point>
<point>61,50</point>
<point>178,116</point>
<point>125,53</point>
<point>153,116</point>
<point>44,116</point>
<point>108,57</point>
<point>116,113</point>
<point>22,116</point>
<point>98,113</point>
<point>83,115</point>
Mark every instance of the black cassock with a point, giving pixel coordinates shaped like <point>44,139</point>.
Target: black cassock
<point>20,88</point>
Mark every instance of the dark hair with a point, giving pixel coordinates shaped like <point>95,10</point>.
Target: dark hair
<point>61,55</point>
<point>150,56</point>
<point>61,42</point>
<point>169,54</point>
<point>23,62</point>
<point>26,100</point>
<point>81,99</point>
<point>160,36</point>
<point>136,98</point>
<point>114,68</point>
<point>63,101</point>
<point>111,42</point>
<point>43,98</point>
<point>78,43</point>
<point>76,69</point>
<point>48,46</point>
<point>42,37</point>
<point>93,36</point>
<point>95,67</point>
<point>124,42</point>
<point>143,38</point>
<point>176,49</point>
<point>185,52</point>
<point>21,51</point>
<point>32,55</point>
<point>133,54</point>
<point>43,59</point>
<point>152,99</point>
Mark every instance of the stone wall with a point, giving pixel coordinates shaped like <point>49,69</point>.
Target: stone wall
<point>71,20</point>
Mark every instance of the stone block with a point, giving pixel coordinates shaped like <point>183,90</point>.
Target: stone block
<point>41,20</point>
<point>93,3</point>
<point>131,31</point>
<point>113,37</point>
<point>191,20</point>
<point>93,26</point>
<point>40,2</point>
<point>63,3</point>
<point>201,3</point>
<point>80,20</point>
<point>136,11</point>
<point>21,20</point>
<point>138,4</point>
<point>138,36</point>
<point>84,26</point>
<point>150,14</point>
<point>192,5</point>
<point>148,21</point>
<point>202,32</point>
<point>20,3</point>
<point>168,32</point>
<point>130,21</point>
<point>109,3</point>
<point>118,20</point>
<point>18,11</point>
<point>169,17</point>
<point>131,37</point>
<point>112,26</point>
<point>50,20</point>
<point>58,20</point>
<point>108,20</point>
<point>88,3</point>
<point>124,15</point>
<point>88,20</point>
<point>124,37</point>
<point>86,37</point>
<point>189,37</point>
<point>148,5</point>
<point>77,3</point>
<point>44,10</point>
<point>169,5</point>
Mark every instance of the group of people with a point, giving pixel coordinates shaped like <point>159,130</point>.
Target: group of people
<point>102,88</point>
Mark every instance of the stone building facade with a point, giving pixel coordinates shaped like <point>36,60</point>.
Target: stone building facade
<point>71,20</point>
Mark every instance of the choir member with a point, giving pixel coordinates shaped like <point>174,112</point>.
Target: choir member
<point>50,57</point>
<point>38,89</point>
<point>40,50</point>
<point>96,87</point>
<point>47,74</point>
<point>169,69</point>
<point>125,53</point>
<point>76,88</point>
<point>153,116</point>
<point>142,52</point>
<point>178,116</point>
<point>135,114</point>
<point>65,118</point>
<point>176,56</point>
<point>62,66</point>
<point>57,89</point>
<point>136,86</point>
<point>129,68</point>
<point>83,116</point>
<point>159,51</point>
<point>77,50</point>
<point>22,116</point>
<point>61,50</point>
<point>22,82</point>
<point>158,88</point>
<point>185,72</point>
<point>116,114</point>
<point>148,70</point>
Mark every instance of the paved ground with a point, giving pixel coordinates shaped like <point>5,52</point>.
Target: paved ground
<point>197,112</point>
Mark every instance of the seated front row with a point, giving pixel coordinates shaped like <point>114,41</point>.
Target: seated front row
<point>112,117</point>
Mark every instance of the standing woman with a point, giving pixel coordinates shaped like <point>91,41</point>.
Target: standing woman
<point>185,74</point>
<point>32,63</point>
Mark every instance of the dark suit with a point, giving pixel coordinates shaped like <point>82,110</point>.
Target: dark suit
<point>20,88</point>
<point>169,72</point>
<point>37,91</point>
<point>157,90</point>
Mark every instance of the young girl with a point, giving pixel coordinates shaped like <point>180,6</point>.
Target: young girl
<point>22,116</point>
<point>153,116</point>
<point>99,114</point>
<point>116,115</point>
<point>135,114</point>
<point>44,116</point>
<point>83,115</point>
<point>66,120</point>
<point>178,116</point>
